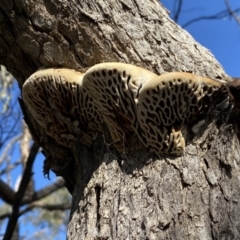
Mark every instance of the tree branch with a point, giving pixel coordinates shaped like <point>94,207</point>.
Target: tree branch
<point>46,191</point>
<point>8,147</point>
<point>10,168</point>
<point>20,193</point>
<point>231,12</point>
<point>178,11</point>
<point>49,207</point>
<point>6,193</point>
<point>5,215</point>
<point>219,15</point>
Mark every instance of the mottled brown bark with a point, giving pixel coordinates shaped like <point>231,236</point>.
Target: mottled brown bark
<point>128,195</point>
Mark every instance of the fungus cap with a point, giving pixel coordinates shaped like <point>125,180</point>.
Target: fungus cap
<point>115,88</point>
<point>54,98</point>
<point>168,102</point>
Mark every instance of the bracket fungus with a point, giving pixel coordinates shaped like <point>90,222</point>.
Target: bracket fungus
<point>170,101</point>
<point>55,100</point>
<point>138,107</point>
<point>114,88</point>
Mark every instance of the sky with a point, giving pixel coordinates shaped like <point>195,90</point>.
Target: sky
<point>221,37</point>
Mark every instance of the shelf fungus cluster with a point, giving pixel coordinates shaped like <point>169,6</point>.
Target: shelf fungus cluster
<point>140,108</point>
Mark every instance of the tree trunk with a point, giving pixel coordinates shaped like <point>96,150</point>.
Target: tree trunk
<point>129,195</point>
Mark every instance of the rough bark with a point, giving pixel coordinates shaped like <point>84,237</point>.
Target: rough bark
<point>128,195</point>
